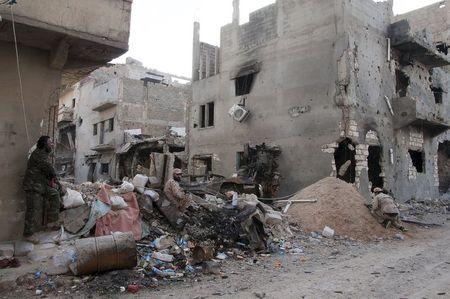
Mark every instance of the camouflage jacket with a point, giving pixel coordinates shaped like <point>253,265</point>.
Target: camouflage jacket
<point>176,195</point>
<point>39,171</point>
<point>385,204</point>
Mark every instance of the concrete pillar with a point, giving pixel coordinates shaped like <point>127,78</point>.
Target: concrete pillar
<point>236,14</point>
<point>196,53</point>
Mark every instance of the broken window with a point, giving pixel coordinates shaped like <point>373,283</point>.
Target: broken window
<point>418,160</point>
<point>94,129</point>
<point>444,166</point>
<point>243,84</point>
<point>442,47</point>
<point>104,168</point>
<point>202,164</point>
<point>374,166</point>
<point>111,124</point>
<point>402,83</point>
<point>344,157</point>
<point>438,94</point>
<point>202,116</point>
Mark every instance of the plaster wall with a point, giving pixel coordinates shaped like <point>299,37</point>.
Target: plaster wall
<point>13,140</point>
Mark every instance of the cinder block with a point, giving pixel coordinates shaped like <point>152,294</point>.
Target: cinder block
<point>7,250</point>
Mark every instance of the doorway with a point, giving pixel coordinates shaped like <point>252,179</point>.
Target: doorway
<point>374,165</point>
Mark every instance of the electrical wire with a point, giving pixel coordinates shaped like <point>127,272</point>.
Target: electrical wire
<point>20,75</point>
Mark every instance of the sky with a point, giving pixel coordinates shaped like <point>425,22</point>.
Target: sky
<point>161,30</point>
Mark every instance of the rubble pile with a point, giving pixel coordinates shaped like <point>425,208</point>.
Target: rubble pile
<point>427,212</point>
<point>339,206</point>
<point>88,190</point>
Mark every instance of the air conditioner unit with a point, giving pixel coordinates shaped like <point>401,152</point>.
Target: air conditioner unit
<point>239,113</point>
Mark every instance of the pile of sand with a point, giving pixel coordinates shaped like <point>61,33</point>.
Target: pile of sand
<point>338,206</point>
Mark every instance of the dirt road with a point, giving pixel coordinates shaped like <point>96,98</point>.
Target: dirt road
<point>413,268</point>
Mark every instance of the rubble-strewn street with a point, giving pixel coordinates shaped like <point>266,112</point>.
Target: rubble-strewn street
<point>414,268</point>
<point>225,149</point>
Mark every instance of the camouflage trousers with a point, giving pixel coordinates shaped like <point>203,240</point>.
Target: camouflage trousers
<point>41,209</point>
<point>383,219</point>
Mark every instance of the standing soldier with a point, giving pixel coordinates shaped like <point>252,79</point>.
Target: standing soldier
<point>42,190</point>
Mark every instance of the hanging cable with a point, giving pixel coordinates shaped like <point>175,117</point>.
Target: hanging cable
<point>19,74</point>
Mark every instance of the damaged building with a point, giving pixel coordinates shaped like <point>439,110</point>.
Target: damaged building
<point>40,51</point>
<point>342,87</point>
<point>115,111</point>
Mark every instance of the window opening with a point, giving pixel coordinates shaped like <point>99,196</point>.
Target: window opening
<point>243,84</point>
<point>91,172</point>
<point>105,168</point>
<point>202,116</point>
<point>374,165</point>
<point>402,83</point>
<point>202,164</point>
<point>442,47</point>
<point>94,130</point>
<point>438,94</point>
<point>73,103</point>
<point>111,124</point>
<point>344,157</point>
<point>102,133</point>
<point>210,114</point>
<point>417,159</point>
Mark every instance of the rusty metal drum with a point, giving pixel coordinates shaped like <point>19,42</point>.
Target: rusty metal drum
<point>100,254</point>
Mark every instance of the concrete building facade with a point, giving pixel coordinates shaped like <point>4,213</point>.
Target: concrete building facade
<point>340,86</point>
<point>57,42</point>
<point>118,100</point>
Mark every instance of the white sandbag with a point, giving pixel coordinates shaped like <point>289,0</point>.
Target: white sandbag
<point>126,187</point>
<point>72,199</point>
<point>117,202</point>
<point>152,194</point>
<point>140,180</point>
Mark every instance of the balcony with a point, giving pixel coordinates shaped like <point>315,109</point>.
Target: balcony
<point>409,111</point>
<point>80,35</point>
<point>106,104</point>
<point>415,46</point>
<point>104,148</point>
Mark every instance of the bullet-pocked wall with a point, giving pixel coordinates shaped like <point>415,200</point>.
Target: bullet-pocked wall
<point>325,82</point>
<point>293,45</point>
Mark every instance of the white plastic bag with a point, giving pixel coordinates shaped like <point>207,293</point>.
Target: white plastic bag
<point>72,199</point>
<point>117,202</point>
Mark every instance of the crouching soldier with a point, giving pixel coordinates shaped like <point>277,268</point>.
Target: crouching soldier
<point>42,190</point>
<point>385,210</point>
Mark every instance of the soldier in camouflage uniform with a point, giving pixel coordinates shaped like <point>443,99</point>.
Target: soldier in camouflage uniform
<point>41,188</point>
